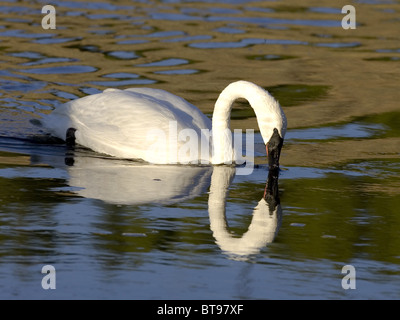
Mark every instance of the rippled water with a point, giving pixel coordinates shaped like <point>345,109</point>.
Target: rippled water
<point>121,229</point>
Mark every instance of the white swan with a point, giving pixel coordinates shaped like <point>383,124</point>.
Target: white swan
<point>154,125</point>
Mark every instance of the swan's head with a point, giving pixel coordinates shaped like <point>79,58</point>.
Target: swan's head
<point>273,148</point>
<point>270,117</point>
<point>271,121</point>
<point>272,124</point>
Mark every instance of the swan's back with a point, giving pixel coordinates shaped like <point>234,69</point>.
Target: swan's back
<point>124,123</point>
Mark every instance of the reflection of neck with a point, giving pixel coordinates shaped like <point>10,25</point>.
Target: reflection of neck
<point>263,226</point>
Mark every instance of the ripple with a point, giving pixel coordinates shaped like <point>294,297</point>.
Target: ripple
<point>134,234</point>
<point>100,16</point>
<point>89,90</point>
<point>338,44</point>
<point>296,224</point>
<point>122,75</point>
<point>56,40</point>
<point>270,57</point>
<point>328,236</point>
<point>14,85</point>
<point>244,43</point>
<point>92,5</point>
<point>123,55</point>
<point>173,16</point>
<point>133,41</point>
<point>189,38</point>
<point>20,9</point>
<point>39,58</point>
<point>229,30</point>
<point>385,58</point>
<point>27,54</point>
<point>328,10</point>
<point>118,83</point>
<point>60,70</point>
<point>124,79</point>
<point>388,50</point>
<point>48,60</point>
<point>165,63</point>
<point>85,48</point>
<point>210,10</point>
<point>267,21</point>
<point>23,34</point>
<point>349,130</point>
<point>65,95</point>
<point>178,72</point>
<point>163,34</point>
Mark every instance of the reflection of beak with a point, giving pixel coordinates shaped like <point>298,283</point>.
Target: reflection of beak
<point>273,156</point>
<point>271,193</point>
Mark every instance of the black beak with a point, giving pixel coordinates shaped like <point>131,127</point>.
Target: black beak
<point>274,147</point>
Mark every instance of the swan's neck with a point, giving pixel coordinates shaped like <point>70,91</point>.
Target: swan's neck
<point>268,112</point>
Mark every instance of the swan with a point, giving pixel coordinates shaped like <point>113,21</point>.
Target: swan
<point>162,128</point>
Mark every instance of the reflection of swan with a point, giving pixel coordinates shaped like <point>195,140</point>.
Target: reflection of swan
<point>265,221</point>
<point>155,125</point>
<point>133,183</point>
<point>125,182</point>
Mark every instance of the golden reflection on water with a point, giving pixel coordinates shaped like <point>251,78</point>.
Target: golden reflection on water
<point>205,47</point>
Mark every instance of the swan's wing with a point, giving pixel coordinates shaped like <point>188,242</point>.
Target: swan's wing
<point>199,120</point>
<point>120,122</point>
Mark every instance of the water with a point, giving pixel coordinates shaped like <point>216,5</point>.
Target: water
<point>121,229</point>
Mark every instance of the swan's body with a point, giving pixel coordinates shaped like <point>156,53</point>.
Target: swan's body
<point>157,126</point>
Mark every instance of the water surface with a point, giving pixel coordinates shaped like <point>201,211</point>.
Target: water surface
<point>121,229</point>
